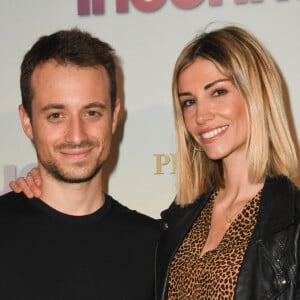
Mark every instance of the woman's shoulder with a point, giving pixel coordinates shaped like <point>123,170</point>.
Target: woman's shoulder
<point>297,200</point>
<point>175,211</point>
<point>281,185</point>
<point>282,196</point>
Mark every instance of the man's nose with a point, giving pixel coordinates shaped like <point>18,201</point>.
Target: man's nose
<point>76,131</point>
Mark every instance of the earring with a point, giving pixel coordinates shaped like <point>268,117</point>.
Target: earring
<point>197,148</point>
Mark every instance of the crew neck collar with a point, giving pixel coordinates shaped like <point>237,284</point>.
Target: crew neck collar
<point>50,211</point>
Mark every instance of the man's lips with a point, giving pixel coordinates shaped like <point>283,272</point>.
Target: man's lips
<point>76,153</point>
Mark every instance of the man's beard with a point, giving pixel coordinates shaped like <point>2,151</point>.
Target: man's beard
<point>56,171</point>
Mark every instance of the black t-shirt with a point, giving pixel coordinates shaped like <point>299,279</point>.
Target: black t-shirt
<point>45,254</point>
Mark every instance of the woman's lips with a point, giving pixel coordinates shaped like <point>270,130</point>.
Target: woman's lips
<point>210,135</point>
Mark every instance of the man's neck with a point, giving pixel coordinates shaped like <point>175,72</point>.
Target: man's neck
<point>76,199</point>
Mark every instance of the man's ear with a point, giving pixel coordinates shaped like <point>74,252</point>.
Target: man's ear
<point>26,122</point>
<point>115,115</point>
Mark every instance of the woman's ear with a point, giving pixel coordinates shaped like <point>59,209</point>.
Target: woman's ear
<point>26,122</point>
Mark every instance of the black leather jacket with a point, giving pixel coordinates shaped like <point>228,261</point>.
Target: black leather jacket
<point>270,269</point>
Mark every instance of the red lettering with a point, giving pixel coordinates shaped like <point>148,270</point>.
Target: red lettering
<point>246,1</point>
<point>190,4</point>
<point>215,2</point>
<point>122,6</point>
<point>187,4</point>
<point>98,7</point>
<point>83,7</point>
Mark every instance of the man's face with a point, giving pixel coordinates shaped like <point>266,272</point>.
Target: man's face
<point>72,120</point>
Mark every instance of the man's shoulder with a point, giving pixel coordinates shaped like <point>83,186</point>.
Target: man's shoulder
<point>12,206</point>
<point>11,198</point>
<point>130,216</point>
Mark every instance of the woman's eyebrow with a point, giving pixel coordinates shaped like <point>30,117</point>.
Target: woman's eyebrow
<point>214,82</point>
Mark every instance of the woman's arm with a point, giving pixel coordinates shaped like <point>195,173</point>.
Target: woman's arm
<point>31,185</point>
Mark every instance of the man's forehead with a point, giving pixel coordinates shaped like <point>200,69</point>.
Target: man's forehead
<point>60,64</point>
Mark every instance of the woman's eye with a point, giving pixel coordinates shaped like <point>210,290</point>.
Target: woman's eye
<point>219,92</point>
<point>187,103</point>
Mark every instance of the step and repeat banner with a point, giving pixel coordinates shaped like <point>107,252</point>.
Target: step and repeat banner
<point>148,36</point>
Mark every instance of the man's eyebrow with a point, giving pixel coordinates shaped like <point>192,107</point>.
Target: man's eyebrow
<point>96,105</point>
<point>53,106</point>
<point>206,87</point>
<point>62,106</point>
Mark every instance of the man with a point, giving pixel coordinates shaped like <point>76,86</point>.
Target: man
<point>74,242</point>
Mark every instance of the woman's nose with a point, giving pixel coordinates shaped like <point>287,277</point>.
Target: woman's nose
<point>204,112</point>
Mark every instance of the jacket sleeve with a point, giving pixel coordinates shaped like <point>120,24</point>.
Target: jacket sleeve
<point>298,269</point>
<point>297,204</point>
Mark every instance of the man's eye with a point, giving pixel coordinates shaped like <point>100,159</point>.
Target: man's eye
<point>219,92</point>
<point>55,116</point>
<point>187,103</point>
<point>93,113</point>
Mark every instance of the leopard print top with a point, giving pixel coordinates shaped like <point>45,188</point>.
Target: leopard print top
<point>214,275</point>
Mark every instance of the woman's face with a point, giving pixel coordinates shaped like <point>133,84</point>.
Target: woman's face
<point>214,110</point>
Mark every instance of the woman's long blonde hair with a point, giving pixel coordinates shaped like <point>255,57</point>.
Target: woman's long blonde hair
<point>245,61</point>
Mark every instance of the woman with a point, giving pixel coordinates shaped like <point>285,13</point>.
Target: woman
<point>240,239</point>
